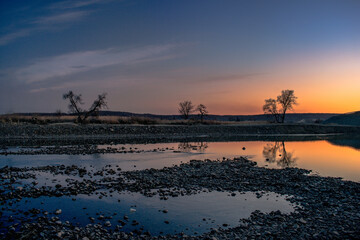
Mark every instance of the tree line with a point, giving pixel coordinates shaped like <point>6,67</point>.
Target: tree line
<point>276,108</point>
<point>186,108</point>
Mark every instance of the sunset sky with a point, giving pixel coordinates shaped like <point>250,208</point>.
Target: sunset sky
<point>150,55</point>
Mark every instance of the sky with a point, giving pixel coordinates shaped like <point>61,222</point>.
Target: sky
<point>150,55</point>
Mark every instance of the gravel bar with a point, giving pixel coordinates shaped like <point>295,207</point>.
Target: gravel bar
<point>328,208</point>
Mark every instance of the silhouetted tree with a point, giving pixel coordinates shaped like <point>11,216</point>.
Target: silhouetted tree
<point>185,108</point>
<point>270,107</point>
<point>202,109</point>
<point>286,100</point>
<point>76,101</point>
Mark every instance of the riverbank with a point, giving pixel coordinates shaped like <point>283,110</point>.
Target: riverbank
<point>23,134</point>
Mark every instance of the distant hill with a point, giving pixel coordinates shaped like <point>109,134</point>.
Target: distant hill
<point>290,117</point>
<point>345,119</point>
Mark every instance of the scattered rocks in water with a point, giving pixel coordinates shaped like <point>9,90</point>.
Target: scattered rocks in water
<point>77,149</point>
<point>328,207</point>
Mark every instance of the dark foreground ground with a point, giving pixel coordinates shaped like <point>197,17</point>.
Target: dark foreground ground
<point>327,208</point>
<point>32,134</point>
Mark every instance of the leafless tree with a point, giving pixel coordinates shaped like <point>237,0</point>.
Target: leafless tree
<point>270,107</point>
<point>186,108</point>
<point>76,101</point>
<point>202,109</point>
<point>286,101</point>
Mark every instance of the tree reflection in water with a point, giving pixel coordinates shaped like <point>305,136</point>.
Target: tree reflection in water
<point>277,153</point>
<point>194,146</point>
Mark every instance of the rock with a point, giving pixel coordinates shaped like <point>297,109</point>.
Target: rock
<point>58,211</point>
<point>302,221</point>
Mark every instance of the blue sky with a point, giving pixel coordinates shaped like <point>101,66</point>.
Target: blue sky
<point>150,55</point>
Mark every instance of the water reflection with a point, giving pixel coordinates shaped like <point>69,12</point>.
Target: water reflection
<point>276,153</point>
<point>190,213</point>
<point>193,146</point>
<point>353,143</point>
<point>332,157</point>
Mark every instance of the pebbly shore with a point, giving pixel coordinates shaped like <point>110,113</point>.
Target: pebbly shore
<point>70,134</point>
<point>328,208</point>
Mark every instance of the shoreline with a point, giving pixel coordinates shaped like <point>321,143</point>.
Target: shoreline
<point>36,130</point>
<point>31,134</point>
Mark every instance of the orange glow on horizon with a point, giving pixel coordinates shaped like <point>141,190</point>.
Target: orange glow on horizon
<point>324,94</point>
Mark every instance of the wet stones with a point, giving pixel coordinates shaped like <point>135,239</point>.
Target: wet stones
<point>58,211</point>
<point>328,207</point>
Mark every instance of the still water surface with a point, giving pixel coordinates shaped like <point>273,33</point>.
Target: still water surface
<point>339,159</point>
<point>192,214</point>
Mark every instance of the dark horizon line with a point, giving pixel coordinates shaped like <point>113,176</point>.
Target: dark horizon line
<point>108,113</point>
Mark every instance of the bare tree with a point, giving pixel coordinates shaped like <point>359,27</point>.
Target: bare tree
<point>185,108</point>
<point>76,101</point>
<point>286,100</point>
<point>270,107</point>
<point>202,109</point>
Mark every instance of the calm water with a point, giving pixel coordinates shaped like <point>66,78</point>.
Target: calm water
<point>339,159</point>
<point>190,214</point>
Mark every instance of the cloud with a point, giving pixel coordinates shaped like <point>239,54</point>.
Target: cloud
<point>75,62</point>
<point>56,87</point>
<point>49,22</point>
<point>45,23</point>
<point>7,38</point>
<point>230,77</point>
<point>76,4</point>
<point>61,18</point>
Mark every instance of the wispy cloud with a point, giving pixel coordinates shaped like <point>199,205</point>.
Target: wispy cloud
<point>75,62</point>
<point>57,87</point>
<point>76,4</point>
<point>7,38</point>
<point>61,18</point>
<point>64,12</point>
<point>230,77</point>
<point>45,23</point>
